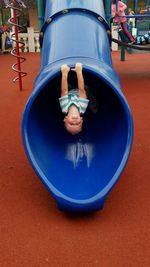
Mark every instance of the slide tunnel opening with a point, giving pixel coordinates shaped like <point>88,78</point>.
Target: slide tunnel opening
<point>78,166</point>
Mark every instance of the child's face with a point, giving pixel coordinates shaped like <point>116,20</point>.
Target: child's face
<point>73,124</point>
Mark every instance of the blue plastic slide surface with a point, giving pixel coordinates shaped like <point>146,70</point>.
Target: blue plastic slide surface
<point>80,170</point>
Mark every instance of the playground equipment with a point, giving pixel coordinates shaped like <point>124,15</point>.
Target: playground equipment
<point>80,170</point>
<point>16,11</point>
<point>135,9</point>
<point>141,40</point>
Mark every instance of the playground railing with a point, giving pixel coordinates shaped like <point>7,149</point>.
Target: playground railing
<point>31,41</point>
<point>114,32</point>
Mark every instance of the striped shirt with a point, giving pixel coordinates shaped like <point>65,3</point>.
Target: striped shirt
<point>73,99</point>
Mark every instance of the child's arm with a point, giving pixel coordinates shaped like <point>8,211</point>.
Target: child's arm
<point>64,81</point>
<point>81,86</point>
<point>121,6</point>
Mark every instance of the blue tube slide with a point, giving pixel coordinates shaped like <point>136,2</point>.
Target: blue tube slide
<point>78,170</point>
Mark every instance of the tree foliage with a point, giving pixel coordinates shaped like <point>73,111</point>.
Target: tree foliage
<point>2,4</point>
<point>28,3</point>
<point>5,12</point>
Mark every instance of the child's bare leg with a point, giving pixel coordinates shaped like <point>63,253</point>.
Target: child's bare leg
<point>64,81</point>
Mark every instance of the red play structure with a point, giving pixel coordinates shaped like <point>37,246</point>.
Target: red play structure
<point>16,12</point>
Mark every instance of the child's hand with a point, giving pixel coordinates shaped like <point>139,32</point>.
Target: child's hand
<point>65,68</point>
<point>78,67</point>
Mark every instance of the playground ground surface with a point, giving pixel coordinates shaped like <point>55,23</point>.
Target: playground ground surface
<point>33,232</point>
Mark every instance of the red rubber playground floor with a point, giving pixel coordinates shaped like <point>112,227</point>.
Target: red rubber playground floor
<point>33,232</point>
